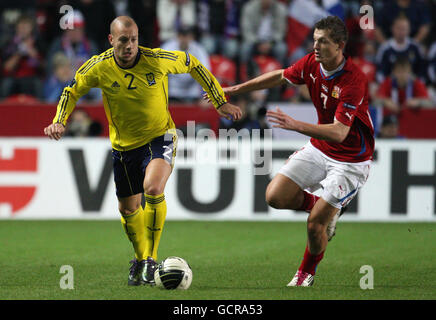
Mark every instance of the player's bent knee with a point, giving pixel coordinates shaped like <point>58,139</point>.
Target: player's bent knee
<point>275,201</point>
<point>129,205</point>
<point>125,211</point>
<point>271,199</point>
<point>153,190</point>
<point>280,202</point>
<point>315,229</point>
<point>283,193</point>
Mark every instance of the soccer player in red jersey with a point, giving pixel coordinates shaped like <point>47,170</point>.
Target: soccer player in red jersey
<point>339,154</point>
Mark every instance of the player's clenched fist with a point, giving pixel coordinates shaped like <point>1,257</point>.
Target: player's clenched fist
<point>54,131</point>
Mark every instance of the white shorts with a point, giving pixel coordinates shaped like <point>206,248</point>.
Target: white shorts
<point>311,169</point>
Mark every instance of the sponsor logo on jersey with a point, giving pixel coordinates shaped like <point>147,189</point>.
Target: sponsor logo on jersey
<point>115,85</point>
<point>324,87</point>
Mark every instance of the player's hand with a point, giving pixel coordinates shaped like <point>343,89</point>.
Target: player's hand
<point>230,112</point>
<point>54,131</point>
<point>206,97</point>
<point>281,119</point>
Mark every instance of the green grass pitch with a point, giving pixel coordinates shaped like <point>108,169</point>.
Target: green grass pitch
<point>230,260</point>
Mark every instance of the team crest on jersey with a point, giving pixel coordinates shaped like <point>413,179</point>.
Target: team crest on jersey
<point>336,91</point>
<point>150,78</point>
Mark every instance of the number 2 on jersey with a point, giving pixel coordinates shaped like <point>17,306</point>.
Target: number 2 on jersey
<point>130,87</point>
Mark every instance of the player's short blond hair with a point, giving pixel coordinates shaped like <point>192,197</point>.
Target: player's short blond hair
<point>125,21</point>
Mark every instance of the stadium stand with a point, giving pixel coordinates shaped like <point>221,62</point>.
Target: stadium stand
<point>28,79</point>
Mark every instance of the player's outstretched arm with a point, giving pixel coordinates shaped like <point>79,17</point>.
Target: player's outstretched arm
<point>264,81</point>
<point>214,91</point>
<point>230,112</point>
<point>55,131</point>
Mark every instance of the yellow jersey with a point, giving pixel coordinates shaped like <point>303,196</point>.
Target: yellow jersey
<point>135,99</point>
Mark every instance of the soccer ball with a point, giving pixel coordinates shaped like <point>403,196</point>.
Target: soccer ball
<point>173,273</point>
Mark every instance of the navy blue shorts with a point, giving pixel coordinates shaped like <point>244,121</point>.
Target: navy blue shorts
<point>129,166</point>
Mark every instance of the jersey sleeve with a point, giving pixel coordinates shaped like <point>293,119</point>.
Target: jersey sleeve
<point>85,78</point>
<point>351,98</point>
<point>295,73</point>
<point>184,62</point>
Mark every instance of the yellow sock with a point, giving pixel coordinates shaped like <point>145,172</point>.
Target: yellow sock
<point>154,217</point>
<point>133,225</point>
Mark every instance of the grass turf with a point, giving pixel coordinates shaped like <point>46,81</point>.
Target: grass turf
<point>230,260</point>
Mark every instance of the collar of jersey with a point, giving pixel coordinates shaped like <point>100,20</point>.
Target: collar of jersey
<point>138,55</point>
<point>332,76</point>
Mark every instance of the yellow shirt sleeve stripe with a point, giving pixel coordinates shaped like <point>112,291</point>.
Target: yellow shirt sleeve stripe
<point>160,52</point>
<point>88,66</point>
<point>64,102</point>
<point>163,56</point>
<point>168,54</point>
<point>85,65</point>
<point>97,60</point>
<point>160,56</point>
<point>219,100</point>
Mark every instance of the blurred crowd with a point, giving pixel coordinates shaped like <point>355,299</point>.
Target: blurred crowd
<point>235,39</point>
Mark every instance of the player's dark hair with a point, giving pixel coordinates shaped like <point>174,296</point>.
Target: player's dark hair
<point>336,27</point>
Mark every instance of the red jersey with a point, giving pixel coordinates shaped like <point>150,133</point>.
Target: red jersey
<point>342,96</point>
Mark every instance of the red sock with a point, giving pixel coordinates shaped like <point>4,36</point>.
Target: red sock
<point>310,261</point>
<point>309,201</point>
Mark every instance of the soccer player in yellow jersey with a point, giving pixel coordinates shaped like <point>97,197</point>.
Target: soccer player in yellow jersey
<point>134,82</point>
